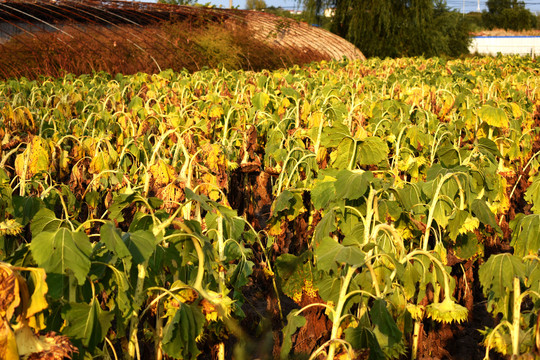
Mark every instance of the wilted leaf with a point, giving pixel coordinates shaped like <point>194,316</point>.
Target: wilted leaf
<point>181,331</point>
<point>493,116</point>
<point>292,271</point>
<point>9,291</point>
<point>38,302</point>
<point>34,159</point>
<point>8,344</point>
<point>101,162</point>
<point>484,214</point>
<point>497,275</point>
<point>526,234</point>
<point>162,173</point>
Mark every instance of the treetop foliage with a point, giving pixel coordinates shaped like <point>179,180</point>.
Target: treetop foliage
<point>392,28</point>
<point>509,15</point>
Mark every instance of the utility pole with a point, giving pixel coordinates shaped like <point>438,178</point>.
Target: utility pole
<point>478,7</point>
<point>230,4</point>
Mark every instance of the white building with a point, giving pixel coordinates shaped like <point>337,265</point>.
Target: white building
<point>506,45</point>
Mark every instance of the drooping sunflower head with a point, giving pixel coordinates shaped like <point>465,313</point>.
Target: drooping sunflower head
<point>447,311</point>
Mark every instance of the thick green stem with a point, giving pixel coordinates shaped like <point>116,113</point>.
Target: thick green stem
<point>221,258</point>
<point>133,346</point>
<point>369,215</point>
<point>416,336</point>
<point>339,309</point>
<point>432,210</point>
<point>516,315</point>
<point>374,278</point>
<point>159,332</point>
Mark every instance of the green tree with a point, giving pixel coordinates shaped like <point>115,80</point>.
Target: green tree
<point>391,28</point>
<point>508,14</point>
<point>255,4</point>
<point>178,2</point>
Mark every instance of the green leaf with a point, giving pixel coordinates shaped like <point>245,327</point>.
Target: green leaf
<point>455,222</point>
<point>25,208</point>
<point>533,275</point>
<point>238,274</point>
<point>351,185</point>
<point>141,244</point>
<point>110,236</point>
<point>329,287</point>
<point>290,92</point>
<point>372,151</point>
<point>345,154</point>
<point>493,116</point>
<point>362,338</point>
<point>525,234</point>
<point>332,136</point>
<point>532,195</point>
<point>481,210</point>
<point>497,276</point>
<point>411,276</point>
<point>45,221</point>
<point>448,156</point>
<point>442,212</point>
<point>181,331</point>
<point>201,199</point>
<point>323,192</point>
<point>120,202</point>
<point>467,246</point>
<point>284,202</point>
<point>64,249</point>
<point>329,253</point>
<point>87,322</point>
<point>386,330</point>
<point>260,100</point>
<point>294,322</point>
<point>410,196</point>
<point>325,226</point>
<point>123,296</point>
<point>489,148</point>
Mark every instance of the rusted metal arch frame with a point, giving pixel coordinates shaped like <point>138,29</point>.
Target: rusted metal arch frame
<point>160,20</point>
<point>70,22</point>
<point>34,13</point>
<point>113,25</point>
<point>25,21</point>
